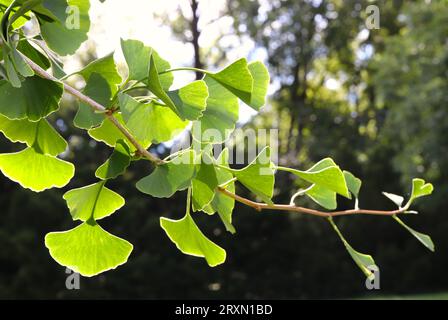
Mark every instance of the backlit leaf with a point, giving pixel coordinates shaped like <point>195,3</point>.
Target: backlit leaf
<point>88,249</point>
<point>93,201</point>
<point>36,171</point>
<point>187,237</point>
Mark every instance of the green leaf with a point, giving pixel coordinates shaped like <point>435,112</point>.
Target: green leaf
<point>98,89</point>
<point>150,122</point>
<point>108,133</point>
<point>236,78</point>
<point>188,102</point>
<point>398,200</point>
<point>42,171</point>
<point>221,203</point>
<point>363,261</point>
<point>423,238</point>
<point>187,237</point>
<point>106,68</point>
<point>39,134</point>
<point>353,183</point>
<point>117,163</point>
<point>420,189</point>
<point>11,74</point>
<point>138,57</point>
<point>204,184</point>
<point>261,78</point>
<point>66,34</point>
<point>170,177</point>
<point>258,176</point>
<point>322,196</point>
<point>28,50</point>
<point>221,114</point>
<point>94,201</point>
<point>88,249</point>
<point>326,174</point>
<point>36,99</point>
<point>20,64</point>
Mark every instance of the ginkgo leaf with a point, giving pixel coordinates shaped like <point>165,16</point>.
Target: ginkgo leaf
<point>236,78</point>
<point>170,177</point>
<point>149,122</point>
<point>187,237</point>
<point>94,201</point>
<point>187,102</point>
<point>204,183</point>
<point>36,171</point>
<point>66,34</point>
<point>322,196</point>
<point>220,116</point>
<point>423,238</point>
<point>258,176</point>
<point>35,99</point>
<point>326,174</point>
<point>221,203</point>
<point>106,68</point>
<point>353,183</point>
<point>261,79</point>
<point>117,163</point>
<point>39,134</point>
<point>138,58</point>
<point>420,189</point>
<point>364,261</point>
<point>108,133</point>
<point>88,249</point>
<point>98,89</point>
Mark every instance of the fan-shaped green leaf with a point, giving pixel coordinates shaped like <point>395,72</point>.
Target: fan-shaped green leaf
<point>221,203</point>
<point>93,201</point>
<point>88,249</point>
<point>28,50</point>
<point>420,189</point>
<point>42,171</point>
<point>261,78</point>
<point>170,177</point>
<point>258,176</point>
<point>237,79</point>
<point>322,196</point>
<point>36,99</point>
<point>187,237</point>
<point>204,184</point>
<point>69,31</point>
<point>326,174</point>
<point>106,68</point>
<point>108,133</point>
<point>117,163</point>
<point>353,183</point>
<point>138,57</point>
<point>39,134</point>
<point>98,89</point>
<point>221,114</point>
<point>150,122</point>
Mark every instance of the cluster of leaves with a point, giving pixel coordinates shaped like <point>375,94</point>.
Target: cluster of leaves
<point>154,116</point>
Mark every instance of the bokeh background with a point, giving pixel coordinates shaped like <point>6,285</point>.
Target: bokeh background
<point>376,101</point>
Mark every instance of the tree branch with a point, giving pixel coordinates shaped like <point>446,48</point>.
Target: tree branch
<point>285,207</point>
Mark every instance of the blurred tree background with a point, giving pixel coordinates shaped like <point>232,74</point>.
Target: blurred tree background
<point>374,100</point>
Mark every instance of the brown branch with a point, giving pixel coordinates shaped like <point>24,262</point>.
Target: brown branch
<point>153,158</point>
<point>284,207</point>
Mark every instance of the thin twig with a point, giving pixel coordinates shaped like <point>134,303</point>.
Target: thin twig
<point>285,207</point>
